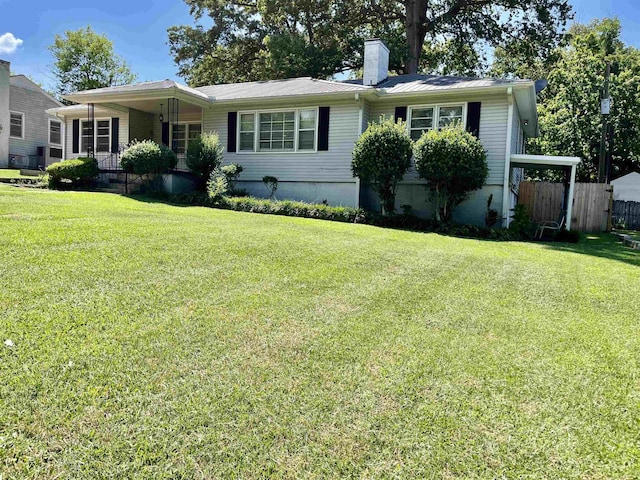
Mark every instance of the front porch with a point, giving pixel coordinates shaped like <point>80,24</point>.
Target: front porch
<point>106,121</point>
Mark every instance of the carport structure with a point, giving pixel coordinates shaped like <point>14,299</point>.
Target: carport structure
<point>566,164</point>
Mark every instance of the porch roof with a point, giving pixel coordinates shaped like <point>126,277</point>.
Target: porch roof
<point>525,160</point>
<point>140,92</point>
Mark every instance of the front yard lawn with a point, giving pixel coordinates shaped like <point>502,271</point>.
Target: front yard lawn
<point>153,341</point>
<point>11,173</point>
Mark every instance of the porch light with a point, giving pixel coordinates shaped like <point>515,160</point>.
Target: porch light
<point>161,118</point>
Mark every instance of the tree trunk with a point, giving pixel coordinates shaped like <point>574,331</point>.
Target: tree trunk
<point>415,22</point>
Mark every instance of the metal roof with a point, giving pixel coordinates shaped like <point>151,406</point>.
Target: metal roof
<point>424,83</point>
<point>278,88</point>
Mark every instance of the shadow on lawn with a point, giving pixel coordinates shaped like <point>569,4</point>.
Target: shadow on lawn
<point>604,245</point>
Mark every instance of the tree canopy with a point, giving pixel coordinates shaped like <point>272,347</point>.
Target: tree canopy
<point>85,59</point>
<point>569,110</point>
<point>267,39</point>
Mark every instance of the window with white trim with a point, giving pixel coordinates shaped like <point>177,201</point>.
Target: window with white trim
<point>278,130</point>
<point>182,133</point>
<point>247,131</point>
<point>55,132</point>
<point>423,119</point>
<point>16,125</point>
<point>96,139</point>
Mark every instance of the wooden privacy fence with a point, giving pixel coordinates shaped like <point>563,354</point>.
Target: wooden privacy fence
<point>544,202</point>
<point>627,213</point>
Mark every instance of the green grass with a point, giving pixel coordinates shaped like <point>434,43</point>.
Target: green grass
<point>155,341</point>
<point>11,173</point>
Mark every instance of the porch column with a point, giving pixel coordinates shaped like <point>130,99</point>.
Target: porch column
<point>91,120</point>
<point>572,184</point>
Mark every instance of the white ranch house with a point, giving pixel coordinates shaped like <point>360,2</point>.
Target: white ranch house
<point>302,130</point>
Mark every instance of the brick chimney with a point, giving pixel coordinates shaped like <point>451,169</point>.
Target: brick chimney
<point>376,62</point>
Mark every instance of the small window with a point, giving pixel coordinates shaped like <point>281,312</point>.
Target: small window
<point>307,130</point>
<point>55,132</point>
<point>421,121</point>
<point>16,125</point>
<point>247,131</point>
<point>195,130</point>
<point>179,138</point>
<point>103,141</point>
<point>449,116</point>
<point>86,144</point>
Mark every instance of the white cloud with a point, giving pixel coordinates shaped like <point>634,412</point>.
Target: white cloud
<point>9,43</point>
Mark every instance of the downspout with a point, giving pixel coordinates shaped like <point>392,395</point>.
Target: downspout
<point>506,214</point>
<point>360,132</point>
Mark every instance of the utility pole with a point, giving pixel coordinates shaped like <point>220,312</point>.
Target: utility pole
<point>605,106</point>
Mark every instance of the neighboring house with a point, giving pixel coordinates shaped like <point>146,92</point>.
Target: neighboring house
<point>30,137</point>
<point>627,187</point>
<point>303,130</point>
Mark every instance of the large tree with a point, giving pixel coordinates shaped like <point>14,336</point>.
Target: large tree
<point>260,39</point>
<point>570,120</point>
<point>84,60</point>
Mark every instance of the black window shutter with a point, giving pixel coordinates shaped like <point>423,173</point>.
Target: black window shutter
<point>401,114</point>
<point>232,130</point>
<point>323,128</point>
<point>473,118</point>
<point>165,133</point>
<point>115,131</point>
<point>76,136</point>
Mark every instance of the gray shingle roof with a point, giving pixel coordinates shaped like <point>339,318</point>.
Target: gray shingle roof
<point>278,88</point>
<point>140,87</point>
<point>422,83</point>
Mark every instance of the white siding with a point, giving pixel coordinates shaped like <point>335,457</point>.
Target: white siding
<point>493,126</point>
<point>123,130</point>
<point>333,165</point>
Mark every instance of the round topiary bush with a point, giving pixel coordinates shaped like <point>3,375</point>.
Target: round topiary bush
<point>454,163</point>
<point>72,173</point>
<point>381,157</point>
<point>148,158</point>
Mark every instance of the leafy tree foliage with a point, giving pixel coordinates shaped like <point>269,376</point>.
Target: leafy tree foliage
<point>85,59</point>
<point>265,39</point>
<point>454,163</point>
<point>381,157</point>
<point>570,120</point>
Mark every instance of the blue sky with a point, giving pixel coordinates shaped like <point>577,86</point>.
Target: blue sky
<point>138,29</point>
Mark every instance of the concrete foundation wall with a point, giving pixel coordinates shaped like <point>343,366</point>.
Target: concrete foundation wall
<point>472,212</point>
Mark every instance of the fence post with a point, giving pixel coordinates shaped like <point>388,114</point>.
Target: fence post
<point>610,211</point>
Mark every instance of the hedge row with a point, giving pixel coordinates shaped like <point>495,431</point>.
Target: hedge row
<point>72,173</point>
<point>345,215</point>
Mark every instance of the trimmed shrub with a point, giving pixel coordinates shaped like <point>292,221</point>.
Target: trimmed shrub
<point>272,185</point>
<point>454,163</point>
<point>381,157</point>
<point>148,160</point>
<point>204,155</point>
<point>217,186</point>
<point>232,172</point>
<point>72,173</point>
